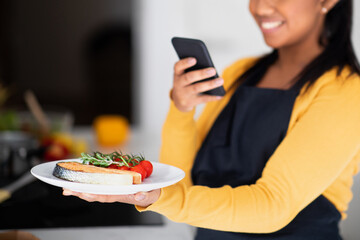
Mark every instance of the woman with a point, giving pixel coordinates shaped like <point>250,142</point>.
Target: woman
<point>274,158</point>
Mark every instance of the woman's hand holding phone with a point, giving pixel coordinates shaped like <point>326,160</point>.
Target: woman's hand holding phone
<point>186,92</point>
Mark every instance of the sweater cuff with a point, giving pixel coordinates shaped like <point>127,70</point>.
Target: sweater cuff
<point>163,204</point>
<point>153,206</point>
<point>175,113</point>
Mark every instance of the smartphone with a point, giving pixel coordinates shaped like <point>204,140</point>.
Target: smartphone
<point>188,47</point>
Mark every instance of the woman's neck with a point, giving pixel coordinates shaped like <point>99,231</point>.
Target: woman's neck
<point>298,56</point>
<point>291,62</point>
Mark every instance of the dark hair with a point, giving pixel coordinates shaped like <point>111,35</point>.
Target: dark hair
<point>339,51</point>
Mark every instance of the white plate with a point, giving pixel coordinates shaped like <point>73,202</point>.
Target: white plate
<point>163,175</point>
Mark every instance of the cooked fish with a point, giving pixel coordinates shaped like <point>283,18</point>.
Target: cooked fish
<point>78,172</point>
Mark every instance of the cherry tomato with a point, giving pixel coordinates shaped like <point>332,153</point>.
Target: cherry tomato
<point>147,166</point>
<point>133,163</point>
<point>136,162</point>
<point>141,170</point>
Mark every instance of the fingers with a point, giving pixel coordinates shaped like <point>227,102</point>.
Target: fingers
<point>185,79</point>
<point>86,196</point>
<point>205,86</point>
<point>183,64</point>
<point>142,199</point>
<point>102,198</point>
<point>205,99</point>
<point>194,76</point>
<point>97,197</point>
<point>186,98</point>
<point>187,86</point>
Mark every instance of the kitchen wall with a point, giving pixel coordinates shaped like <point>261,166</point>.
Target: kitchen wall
<point>226,26</point>
<point>72,54</point>
<point>230,33</point>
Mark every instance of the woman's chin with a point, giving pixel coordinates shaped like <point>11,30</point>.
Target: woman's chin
<point>273,43</point>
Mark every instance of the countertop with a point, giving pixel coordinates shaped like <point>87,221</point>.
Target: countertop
<point>138,142</point>
<point>169,230</point>
<point>149,144</point>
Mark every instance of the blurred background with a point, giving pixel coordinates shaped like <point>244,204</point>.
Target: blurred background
<point>71,69</point>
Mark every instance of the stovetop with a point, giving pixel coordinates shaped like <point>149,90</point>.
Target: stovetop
<point>39,205</point>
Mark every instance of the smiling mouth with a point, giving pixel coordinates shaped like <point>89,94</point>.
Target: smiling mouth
<point>271,25</point>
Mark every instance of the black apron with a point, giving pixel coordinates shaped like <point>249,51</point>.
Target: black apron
<point>236,149</point>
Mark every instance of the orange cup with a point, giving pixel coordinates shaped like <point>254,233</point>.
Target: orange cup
<point>111,130</point>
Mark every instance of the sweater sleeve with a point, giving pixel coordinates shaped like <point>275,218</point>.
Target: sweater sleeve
<point>179,129</point>
<point>181,136</point>
<point>312,155</point>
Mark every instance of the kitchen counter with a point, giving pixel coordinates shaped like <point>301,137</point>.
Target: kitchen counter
<point>140,225</point>
<point>170,230</point>
<point>149,144</point>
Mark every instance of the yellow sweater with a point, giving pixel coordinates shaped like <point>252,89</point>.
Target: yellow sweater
<point>319,155</point>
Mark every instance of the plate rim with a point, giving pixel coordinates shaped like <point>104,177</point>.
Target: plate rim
<point>107,189</point>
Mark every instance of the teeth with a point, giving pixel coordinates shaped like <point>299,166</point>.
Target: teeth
<point>270,25</point>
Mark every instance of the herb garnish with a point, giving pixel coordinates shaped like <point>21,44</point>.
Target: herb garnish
<point>115,158</point>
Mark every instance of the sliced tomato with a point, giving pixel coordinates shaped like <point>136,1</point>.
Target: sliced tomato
<point>147,165</point>
<point>141,170</point>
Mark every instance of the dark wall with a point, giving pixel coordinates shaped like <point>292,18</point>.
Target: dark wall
<point>72,54</point>
<point>5,41</point>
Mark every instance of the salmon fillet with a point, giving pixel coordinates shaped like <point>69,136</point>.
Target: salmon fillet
<point>78,172</point>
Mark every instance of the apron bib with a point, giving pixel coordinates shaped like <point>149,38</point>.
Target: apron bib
<point>236,149</point>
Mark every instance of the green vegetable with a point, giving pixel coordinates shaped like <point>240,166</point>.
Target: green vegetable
<point>8,120</point>
<point>117,158</point>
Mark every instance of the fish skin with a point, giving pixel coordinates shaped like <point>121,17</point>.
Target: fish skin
<point>92,178</point>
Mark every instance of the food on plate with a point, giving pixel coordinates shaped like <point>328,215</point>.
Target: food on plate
<point>147,166</point>
<point>118,160</point>
<point>114,168</point>
<point>78,172</point>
